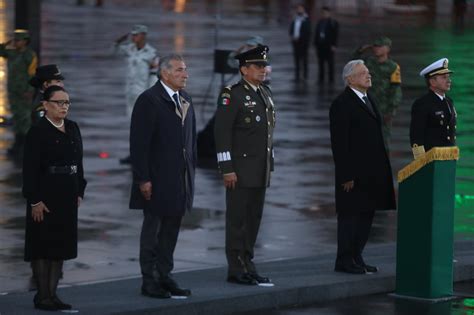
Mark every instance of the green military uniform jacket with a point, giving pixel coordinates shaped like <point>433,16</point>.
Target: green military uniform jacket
<point>386,83</point>
<point>21,67</point>
<point>244,133</point>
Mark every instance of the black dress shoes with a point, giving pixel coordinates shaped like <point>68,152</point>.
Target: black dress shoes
<point>46,304</point>
<point>369,268</point>
<point>354,269</point>
<point>243,278</point>
<point>155,291</point>
<point>172,287</point>
<point>60,304</point>
<point>260,279</point>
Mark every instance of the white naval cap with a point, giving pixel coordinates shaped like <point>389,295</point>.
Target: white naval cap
<point>437,67</point>
<point>139,28</point>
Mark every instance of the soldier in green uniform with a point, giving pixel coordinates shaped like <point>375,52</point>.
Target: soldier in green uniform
<point>45,76</point>
<point>386,81</point>
<point>21,63</point>
<point>245,120</point>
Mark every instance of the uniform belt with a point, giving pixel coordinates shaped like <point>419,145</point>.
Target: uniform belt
<point>68,169</point>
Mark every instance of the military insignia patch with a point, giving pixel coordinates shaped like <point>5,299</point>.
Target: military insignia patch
<point>257,118</point>
<point>247,120</point>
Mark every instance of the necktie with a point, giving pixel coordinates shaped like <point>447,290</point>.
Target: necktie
<point>261,96</point>
<point>178,105</point>
<point>368,104</point>
<point>447,104</point>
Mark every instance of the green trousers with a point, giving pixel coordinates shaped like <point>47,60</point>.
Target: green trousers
<point>243,216</point>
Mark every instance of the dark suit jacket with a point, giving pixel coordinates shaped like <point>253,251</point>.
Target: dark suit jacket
<point>305,33</point>
<point>330,35</point>
<point>359,154</point>
<point>433,122</point>
<point>163,151</point>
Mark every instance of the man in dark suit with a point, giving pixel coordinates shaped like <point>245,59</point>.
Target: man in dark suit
<point>300,33</point>
<point>163,154</point>
<point>433,116</point>
<point>245,120</point>
<point>325,41</point>
<point>363,173</point>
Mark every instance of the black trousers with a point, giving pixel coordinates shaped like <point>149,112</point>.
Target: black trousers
<point>300,55</point>
<point>157,243</point>
<point>243,216</point>
<point>325,56</point>
<point>353,231</point>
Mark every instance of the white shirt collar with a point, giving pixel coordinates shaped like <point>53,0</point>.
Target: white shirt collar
<point>254,87</point>
<point>359,94</point>
<point>441,97</point>
<point>169,90</point>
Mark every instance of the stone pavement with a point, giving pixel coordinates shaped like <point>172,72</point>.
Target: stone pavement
<point>299,281</point>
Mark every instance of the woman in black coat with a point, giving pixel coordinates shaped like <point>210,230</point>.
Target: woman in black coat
<point>53,185</point>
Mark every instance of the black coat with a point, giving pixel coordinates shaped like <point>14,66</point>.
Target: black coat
<point>331,33</point>
<point>359,154</point>
<point>305,33</point>
<point>163,151</point>
<point>433,122</point>
<point>46,146</point>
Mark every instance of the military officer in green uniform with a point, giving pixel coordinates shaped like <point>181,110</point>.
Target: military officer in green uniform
<point>433,116</point>
<point>45,76</point>
<point>21,62</point>
<point>245,120</point>
<point>386,81</point>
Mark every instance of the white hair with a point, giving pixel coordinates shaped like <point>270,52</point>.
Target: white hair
<point>349,69</point>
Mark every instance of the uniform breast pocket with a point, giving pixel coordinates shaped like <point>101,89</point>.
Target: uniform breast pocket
<point>248,118</point>
<point>437,118</point>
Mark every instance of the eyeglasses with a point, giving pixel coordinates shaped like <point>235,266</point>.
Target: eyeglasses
<point>61,103</point>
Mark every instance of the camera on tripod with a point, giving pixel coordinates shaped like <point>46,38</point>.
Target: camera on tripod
<point>223,64</point>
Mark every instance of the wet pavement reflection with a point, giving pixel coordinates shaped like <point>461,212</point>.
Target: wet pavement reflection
<point>299,218</point>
